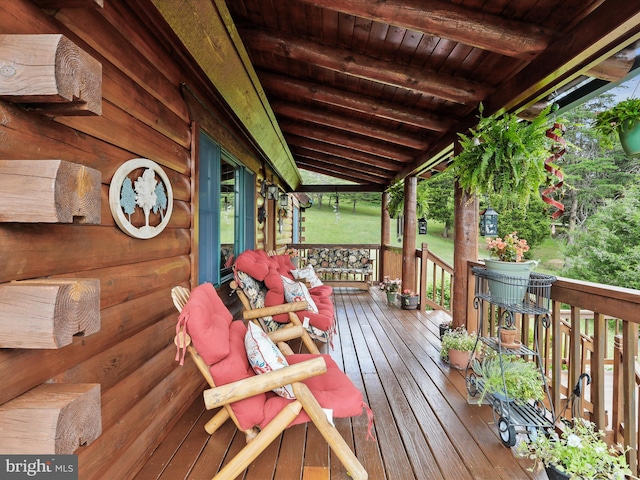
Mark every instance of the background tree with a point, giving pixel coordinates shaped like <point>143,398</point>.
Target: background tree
<point>607,248</point>
<point>532,223</point>
<point>593,172</point>
<point>439,198</point>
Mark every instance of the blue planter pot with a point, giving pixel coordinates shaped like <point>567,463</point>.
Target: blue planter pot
<point>509,280</point>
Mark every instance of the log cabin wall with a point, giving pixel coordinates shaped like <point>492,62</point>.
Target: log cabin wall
<point>148,111</point>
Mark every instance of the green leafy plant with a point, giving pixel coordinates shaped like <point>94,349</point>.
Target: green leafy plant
<point>504,156</point>
<point>521,378</point>
<point>579,452</point>
<point>457,339</point>
<point>622,116</point>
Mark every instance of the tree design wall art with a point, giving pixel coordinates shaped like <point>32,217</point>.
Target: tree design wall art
<point>141,198</point>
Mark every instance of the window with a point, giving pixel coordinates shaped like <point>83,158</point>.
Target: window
<point>225,216</point>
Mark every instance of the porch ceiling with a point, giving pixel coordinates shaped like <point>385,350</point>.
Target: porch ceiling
<point>371,91</point>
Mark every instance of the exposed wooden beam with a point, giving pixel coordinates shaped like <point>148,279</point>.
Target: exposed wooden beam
<point>616,67</point>
<point>281,86</point>
<point>342,122</point>
<point>335,172</point>
<point>347,62</point>
<point>323,158</point>
<point>340,188</point>
<point>51,4</point>
<point>340,171</point>
<point>51,73</point>
<point>597,37</point>
<point>335,137</point>
<point>449,20</point>
<point>338,151</point>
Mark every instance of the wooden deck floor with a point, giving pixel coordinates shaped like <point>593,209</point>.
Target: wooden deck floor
<point>424,426</point>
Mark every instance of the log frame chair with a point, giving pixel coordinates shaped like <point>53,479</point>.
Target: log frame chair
<point>258,440</point>
<point>289,308</point>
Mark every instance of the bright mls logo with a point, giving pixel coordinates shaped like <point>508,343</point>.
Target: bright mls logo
<point>50,467</point>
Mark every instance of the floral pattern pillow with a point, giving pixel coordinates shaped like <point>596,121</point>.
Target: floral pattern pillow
<point>264,356</point>
<point>296,292</point>
<point>309,274</point>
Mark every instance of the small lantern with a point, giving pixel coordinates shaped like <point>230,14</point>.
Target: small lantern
<point>284,200</point>
<point>272,192</point>
<point>422,226</point>
<point>489,223</point>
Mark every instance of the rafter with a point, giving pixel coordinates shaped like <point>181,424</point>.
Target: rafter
<point>282,86</point>
<point>356,142</point>
<point>418,80</point>
<point>323,158</point>
<point>449,20</point>
<point>342,122</point>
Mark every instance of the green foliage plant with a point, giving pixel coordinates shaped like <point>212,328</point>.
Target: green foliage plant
<point>521,378</point>
<point>458,339</point>
<point>579,452</point>
<point>505,156</point>
<point>620,117</point>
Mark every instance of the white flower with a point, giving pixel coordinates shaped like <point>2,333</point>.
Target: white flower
<point>574,441</point>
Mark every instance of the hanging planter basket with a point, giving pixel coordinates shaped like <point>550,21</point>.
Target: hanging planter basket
<point>630,139</point>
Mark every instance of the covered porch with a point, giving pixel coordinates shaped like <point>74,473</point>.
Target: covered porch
<point>424,425</point>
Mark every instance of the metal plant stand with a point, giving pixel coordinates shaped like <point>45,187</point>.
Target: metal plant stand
<point>511,418</point>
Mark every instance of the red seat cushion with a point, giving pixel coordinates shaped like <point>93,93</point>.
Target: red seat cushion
<point>220,343</point>
<point>333,390</point>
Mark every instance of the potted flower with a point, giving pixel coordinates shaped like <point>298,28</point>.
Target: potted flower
<point>509,284</point>
<point>579,452</point>
<point>458,347</point>
<point>391,287</point>
<point>504,155</point>
<point>509,378</point>
<point>409,299</point>
<point>622,120</point>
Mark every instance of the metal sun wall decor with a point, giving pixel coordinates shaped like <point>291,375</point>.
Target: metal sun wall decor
<point>150,191</point>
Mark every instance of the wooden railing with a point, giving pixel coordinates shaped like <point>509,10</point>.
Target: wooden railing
<point>434,276</point>
<point>573,344</point>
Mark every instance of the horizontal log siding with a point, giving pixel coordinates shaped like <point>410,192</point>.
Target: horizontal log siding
<point>144,114</point>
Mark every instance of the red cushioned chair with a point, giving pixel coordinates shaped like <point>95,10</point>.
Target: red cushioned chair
<point>216,343</point>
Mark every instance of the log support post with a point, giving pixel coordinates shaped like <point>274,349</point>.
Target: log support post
<point>49,191</point>
<point>465,250</point>
<point>53,418</point>
<point>409,234</point>
<point>48,313</point>
<point>385,233</point>
<point>51,74</point>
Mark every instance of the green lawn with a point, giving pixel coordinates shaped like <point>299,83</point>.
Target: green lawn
<point>322,226</point>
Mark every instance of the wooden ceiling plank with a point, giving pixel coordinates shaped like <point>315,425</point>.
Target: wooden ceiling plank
<point>338,151</point>
<point>342,122</point>
<point>510,37</point>
<point>350,141</point>
<point>284,86</point>
<point>340,172</point>
<point>344,162</point>
<point>424,81</point>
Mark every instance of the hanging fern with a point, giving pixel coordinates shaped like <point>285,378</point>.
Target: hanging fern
<point>504,155</point>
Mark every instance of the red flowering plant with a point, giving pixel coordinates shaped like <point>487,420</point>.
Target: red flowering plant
<point>509,249</point>
<point>409,293</point>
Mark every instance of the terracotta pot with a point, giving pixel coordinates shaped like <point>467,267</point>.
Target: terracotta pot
<point>508,337</point>
<point>459,359</point>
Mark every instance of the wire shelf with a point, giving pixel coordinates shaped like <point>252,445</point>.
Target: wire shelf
<point>529,295</point>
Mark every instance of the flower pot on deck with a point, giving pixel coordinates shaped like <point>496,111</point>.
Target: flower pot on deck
<point>508,281</point>
<point>409,302</point>
<point>392,297</point>
<point>459,358</point>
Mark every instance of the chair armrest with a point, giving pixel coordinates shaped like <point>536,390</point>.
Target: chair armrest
<point>275,310</point>
<point>232,392</point>
<point>285,334</point>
